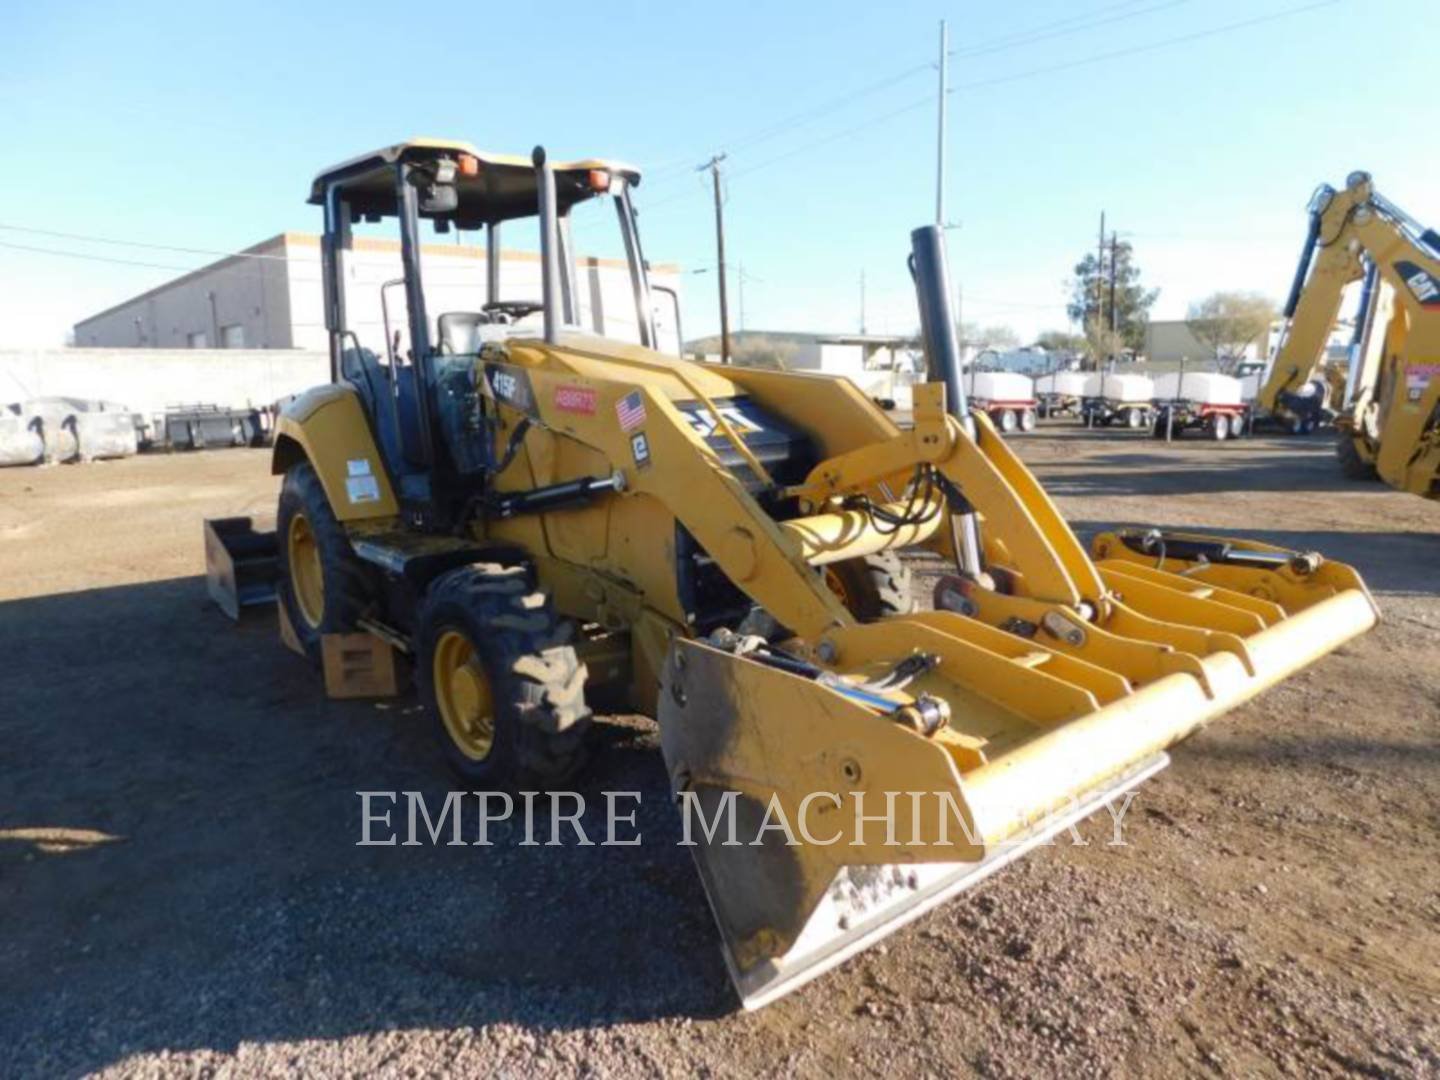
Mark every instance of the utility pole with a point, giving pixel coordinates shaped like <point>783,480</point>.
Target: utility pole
<point>940,135</point>
<point>1100,285</point>
<point>740,284</point>
<point>862,301</point>
<point>714,166</point>
<point>1100,275</point>
<point>1114,273</point>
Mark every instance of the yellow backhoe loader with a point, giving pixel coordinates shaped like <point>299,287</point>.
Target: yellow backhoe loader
<point>1389,416</point>
<point>546,517</point>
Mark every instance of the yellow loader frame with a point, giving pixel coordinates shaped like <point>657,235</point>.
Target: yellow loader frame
<point>1048,679</point>
<point>1389,423</point>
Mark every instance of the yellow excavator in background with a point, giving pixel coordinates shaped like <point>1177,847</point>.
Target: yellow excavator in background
<point>1389,417</point>
<point>544,518</point>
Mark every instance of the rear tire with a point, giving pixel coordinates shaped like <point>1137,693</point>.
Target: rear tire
<point>872,586</point>
<point>1007,421</point>
<point>498,674</point>
<point>1237,426</point>
<point>324,585</point>
<point>1135,418</point>
<point>1218,427</point>
<point>1027,420</point>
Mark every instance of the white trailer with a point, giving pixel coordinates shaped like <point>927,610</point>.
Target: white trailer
<point>1007,396</point>
<point>1060,393</point>
<point>1203,400</point>
<point>1124,399</point>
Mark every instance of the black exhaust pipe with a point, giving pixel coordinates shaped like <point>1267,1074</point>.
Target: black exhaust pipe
<point>931,274</point>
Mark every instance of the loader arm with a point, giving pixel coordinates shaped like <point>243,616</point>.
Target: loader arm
<point>1332,267</point>
<point>1062,682</point>
<point>1391,393</point>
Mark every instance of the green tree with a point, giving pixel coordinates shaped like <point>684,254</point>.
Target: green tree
<point>1228,322</point>
<point>988,337</point>
<point>1101,344</point>
<point>1061,341</point>
<point>1090,294</point>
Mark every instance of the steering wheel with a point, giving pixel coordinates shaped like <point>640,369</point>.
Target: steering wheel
<point>513,310</point>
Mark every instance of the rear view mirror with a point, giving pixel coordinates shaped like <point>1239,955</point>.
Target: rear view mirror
<point>436,186</point>
<point>439,199</point>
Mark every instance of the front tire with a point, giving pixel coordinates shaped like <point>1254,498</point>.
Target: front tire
<point>1219,427</point>
<point>501,680</point>
<point>1027,420</point>
<point>324,585</point>
<point>872,586</point>
<point>1008,421</point>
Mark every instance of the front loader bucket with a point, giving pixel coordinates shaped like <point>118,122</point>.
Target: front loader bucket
<point>826,807</point>
<point>241,564</point>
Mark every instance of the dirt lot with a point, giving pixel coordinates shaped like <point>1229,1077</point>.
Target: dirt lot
<point>181,890</point>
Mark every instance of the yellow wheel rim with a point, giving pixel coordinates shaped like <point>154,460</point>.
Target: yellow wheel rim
<point>462,693</point>
<point>306,578</point>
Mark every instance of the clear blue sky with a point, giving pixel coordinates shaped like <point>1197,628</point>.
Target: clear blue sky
<point>200,125</point>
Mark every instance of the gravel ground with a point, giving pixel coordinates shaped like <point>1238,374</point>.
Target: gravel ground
<point>183,895</point>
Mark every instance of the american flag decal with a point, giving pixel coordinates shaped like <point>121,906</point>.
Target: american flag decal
<point>631,410</point>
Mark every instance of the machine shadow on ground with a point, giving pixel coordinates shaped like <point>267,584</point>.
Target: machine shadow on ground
<point>233,904</point>
<point>1386,560</point>
<point>1203,470</point>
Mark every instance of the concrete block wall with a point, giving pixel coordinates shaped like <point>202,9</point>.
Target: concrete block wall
<point>147,380</point>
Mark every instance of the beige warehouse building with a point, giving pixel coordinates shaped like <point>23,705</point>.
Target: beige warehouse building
<point>1170,340</point>
<point>269,297</point>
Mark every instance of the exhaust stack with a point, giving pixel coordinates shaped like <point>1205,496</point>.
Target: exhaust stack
<point>549,245</point>
<point>930,271</point>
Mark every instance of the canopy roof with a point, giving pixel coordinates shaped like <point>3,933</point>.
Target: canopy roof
<point>503,187</point>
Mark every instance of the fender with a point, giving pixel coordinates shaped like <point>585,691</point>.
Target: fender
<point>326,426</point>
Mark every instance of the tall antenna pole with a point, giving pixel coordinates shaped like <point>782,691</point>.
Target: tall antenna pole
<point>940,134</point>
<point>862,301</point>
<point>714,166</point>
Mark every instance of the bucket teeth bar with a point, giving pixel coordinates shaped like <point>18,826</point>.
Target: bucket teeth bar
<point>820,823</point>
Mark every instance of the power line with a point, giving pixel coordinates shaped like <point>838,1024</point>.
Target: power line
<point>676,167</point>
<point>141,244</point>
<point>1032,73</point>
<point>650,208</point>
<point>435,275</point>
<point>1131,51</point>
<point>1064,27</point>
<point>926,100</point>
<point>804,117</point>
<point>1066,21</point>
<point>828,108</point>
<point>94,258</point>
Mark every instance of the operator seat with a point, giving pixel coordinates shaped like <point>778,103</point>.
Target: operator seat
<point>361,368</point>
<point>460,333</point>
